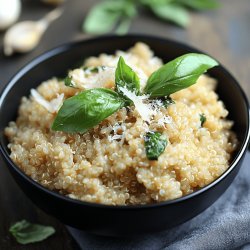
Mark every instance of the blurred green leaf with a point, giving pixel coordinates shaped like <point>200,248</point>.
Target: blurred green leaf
<point>123,26</point>
<point>129,8</point>
<point>155,2</point>
<point>26,232</point>
<point>199,4</point>
<point>103,17</point>
<point>171,12</point>
<point>128,13</point>
<point>117,15</point>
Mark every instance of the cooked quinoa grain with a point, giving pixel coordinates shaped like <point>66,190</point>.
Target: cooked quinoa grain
<point>108,164</point>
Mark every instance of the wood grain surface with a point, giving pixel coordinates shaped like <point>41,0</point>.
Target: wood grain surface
<point>222,33</point>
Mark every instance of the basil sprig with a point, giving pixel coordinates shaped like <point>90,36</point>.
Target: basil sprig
<point>86,110</point>
<point>26,232</point>
<point>155,144</point>
<point>126,77</point>
<point>117,15</point>
<point>167,101</point>
<point>178,74</point>
<point>90,107</point>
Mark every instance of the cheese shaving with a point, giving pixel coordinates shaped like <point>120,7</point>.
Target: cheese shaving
<point>118,137</point>
<point>164,120</point>
<point>105,78</point>
<point>52,106</point>
<point>142,108</point>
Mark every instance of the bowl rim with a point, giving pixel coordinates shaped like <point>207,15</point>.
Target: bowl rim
<point>67,47</point>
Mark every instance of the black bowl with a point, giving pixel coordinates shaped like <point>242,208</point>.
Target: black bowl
<point>120,220</point>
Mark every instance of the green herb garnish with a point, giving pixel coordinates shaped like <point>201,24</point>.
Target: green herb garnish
<point>178,74</point>
<point>167,101</point>
<point>202,119</point>
<point>90,107</point>
<point>86,110</point>
<point>26,232</point>
<point>117,15</point>
<point>155,144</point>
<point>93,69</point>
<point>199,4</point>
<point>126,77</point>
<point>69,82</point>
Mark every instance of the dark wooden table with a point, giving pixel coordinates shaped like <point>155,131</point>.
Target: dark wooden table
<point>223,33</point>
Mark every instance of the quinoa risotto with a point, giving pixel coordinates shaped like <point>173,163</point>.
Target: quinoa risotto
<point>108,164</point>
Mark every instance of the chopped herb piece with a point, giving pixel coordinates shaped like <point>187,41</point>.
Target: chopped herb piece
<point>26,232</point>
<point>155,144</point>
<point>93,69</point>
<point>202,119</point>
<point>168,101</point>
<point>172,12</point>
<point>69,82</point>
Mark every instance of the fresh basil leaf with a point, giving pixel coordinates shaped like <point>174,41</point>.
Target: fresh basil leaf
<point>26,232</point>
<point>86,110</point>
<point>202,119</point>
<point>155,145</point>
<point>103,17</point>
<point>199,4</point>
<point>168,101</point>
<point>171,12</point>
<point>68,82</point>
<point>126,77</point>
<point>178,74</point>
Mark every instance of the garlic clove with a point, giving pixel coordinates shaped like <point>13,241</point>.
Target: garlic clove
<point>9,12</point>
<point>25,36</point>
<point>22,37</point>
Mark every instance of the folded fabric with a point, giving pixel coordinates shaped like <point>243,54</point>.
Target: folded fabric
<point>224,225</point>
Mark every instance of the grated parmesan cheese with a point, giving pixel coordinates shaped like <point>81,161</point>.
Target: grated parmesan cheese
<point>52,106</point>
<point>143,109</point>
<point>116,137</point>
<point>146,107</point>
<point>164,120</point>
<point>104,78</point>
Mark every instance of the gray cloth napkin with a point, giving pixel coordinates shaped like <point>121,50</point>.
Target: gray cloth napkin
<point>224,225</point>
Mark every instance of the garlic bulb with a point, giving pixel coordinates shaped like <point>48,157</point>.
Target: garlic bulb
<point>9,12</point>
<point>25,36</point>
